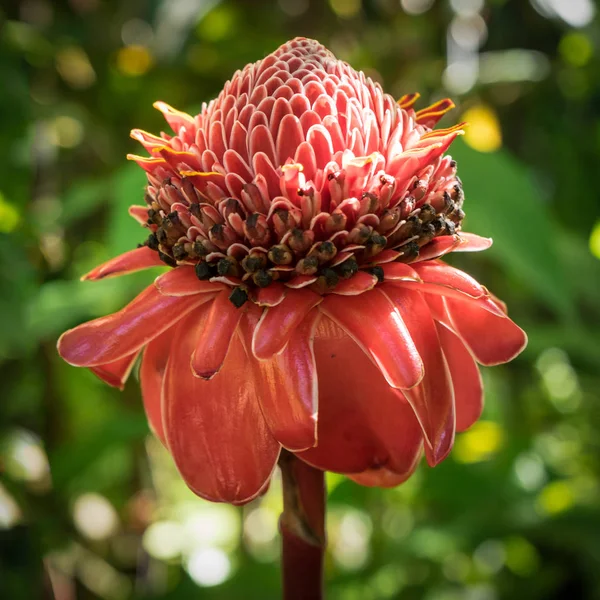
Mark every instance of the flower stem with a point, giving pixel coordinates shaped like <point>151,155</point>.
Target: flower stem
<point>302,527</point>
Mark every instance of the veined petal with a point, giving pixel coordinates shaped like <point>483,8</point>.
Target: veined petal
<point>433,399</point>
<point>110,338</point>
<point>215,339</point>
<point>289,385</point>
<point>134,260</point>
<point>363,423</point>
<point>215,429</point>
<point>439,246</point>
<point>373,322</point>
<point>152,373</point>
<point>358,284</point>
<point>182,281</point>
<point>470,242</point>
<point>493,340</point>
<point>466,379</point>
<point>117,372</point>
<point>440,273</point>
<point>278,322</point>
<point>384,477</point>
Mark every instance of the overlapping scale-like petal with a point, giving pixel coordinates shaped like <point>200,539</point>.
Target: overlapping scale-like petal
<point>129,262</point>
<point>110,338</point>
<point>214,428</point>
<point>289,392</point>
<point>433,399</point>
<point>363,423</point>
<point>381,333</point>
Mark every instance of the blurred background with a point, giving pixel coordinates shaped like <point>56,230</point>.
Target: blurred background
<point>90,504</point>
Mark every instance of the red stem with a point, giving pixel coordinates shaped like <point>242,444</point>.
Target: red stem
<point>302,527</point>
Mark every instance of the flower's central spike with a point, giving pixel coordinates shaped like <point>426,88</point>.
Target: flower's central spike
<point>301,172</point>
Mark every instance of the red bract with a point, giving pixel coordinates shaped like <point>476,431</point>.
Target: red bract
<point>303,212</point>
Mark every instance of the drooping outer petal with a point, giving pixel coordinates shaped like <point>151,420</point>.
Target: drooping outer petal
<point>289,389</point>
<point>182,281</point>
<point>215,430</point>
<point>112,337</point>
<point>152,372</point>
<point>433,399</point>
<point>377,327</point>
<point>363,422</point>
<point>466,379</point>
<point>278,322</point>
<point>134,260</point>
<point>216,336</point>
<point>493,340</point>
<point>116,373</point>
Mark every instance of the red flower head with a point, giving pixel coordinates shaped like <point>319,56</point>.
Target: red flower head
<point>303,213</point>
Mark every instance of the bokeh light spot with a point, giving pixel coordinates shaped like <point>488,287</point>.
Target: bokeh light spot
<point>134,60</point>
<point>483,132</point>
<point>480,443</point>
<point>9,216</point>
<point>209,567</point>
<point>73,65</point>
<point>555,498</point>
<point>576,48</point>
<point>164,540</point>
<point>95,516</point>
<point>416,7</point>
<point>595,240</point>
<point>345,8</point>
<point>521,556</point>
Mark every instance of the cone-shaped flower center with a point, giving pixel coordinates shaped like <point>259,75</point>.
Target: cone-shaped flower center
<point>301,172</point>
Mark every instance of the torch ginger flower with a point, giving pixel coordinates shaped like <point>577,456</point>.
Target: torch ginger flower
<point>303,213</point>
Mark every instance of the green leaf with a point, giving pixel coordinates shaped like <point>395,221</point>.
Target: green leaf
<point>503,203</point>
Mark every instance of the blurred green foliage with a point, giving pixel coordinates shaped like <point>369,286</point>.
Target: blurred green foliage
<point>90,505</point>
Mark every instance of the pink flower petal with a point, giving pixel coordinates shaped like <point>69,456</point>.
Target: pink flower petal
<point>363,423</point>
<point>466,379</point>
<point>216,336</point>
<point>182,281</point>
<point>279,322</point>
<point>439,246</point>
<point>433,399</point>
<point>289,398</point>
<point>493,340</point>
<point>215,429</point>
<point>272,295</point>
<point>110,338</point>
<point>383,477</point>
<point>129,262</point>
<point>357,284</point>
<point>470,242</point>
<point>373,322</point>
<point>152,373</point>
<point>116,373</point>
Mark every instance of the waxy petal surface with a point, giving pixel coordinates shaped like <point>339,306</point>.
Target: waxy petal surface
<point>182,281</point>
<point>152,373</point>
<point>289,389</point>
<point>116,373</point>
<point>433,399</point>
<point>363,423</point>
<point>129,262</point>
<point>110,338</point>
<point>216,336</point>
<point>278,322</point>
<point>466,378</point>
<point>377,327</point>
<point>215,429</point>
<point>493,340</point>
